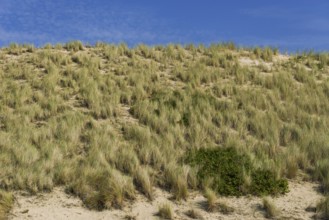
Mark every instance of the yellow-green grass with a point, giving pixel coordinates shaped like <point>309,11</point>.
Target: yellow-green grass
<point>109,120</point>
<point>271,211</point>
<point>322,208</point>
<point>165,211</point>
<point>6,202</point>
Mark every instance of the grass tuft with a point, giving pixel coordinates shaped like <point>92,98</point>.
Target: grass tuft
<point>143,181</point>
<point>6,202</point>
<point>165,211</point>
<point>322,209</point>
<point>270,209</point>
<point>211,200</point>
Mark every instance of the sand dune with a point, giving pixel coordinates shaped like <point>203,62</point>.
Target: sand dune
<point>59,205</point>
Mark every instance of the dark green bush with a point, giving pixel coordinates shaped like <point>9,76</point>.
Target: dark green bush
<point>227,168</point>
<point>264,182</point>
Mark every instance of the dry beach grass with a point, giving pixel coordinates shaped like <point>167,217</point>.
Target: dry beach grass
<point>111,123</point>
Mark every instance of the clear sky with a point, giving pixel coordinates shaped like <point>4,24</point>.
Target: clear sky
<point>292,25</point>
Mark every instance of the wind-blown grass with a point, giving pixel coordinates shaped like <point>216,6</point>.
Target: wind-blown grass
<point>6,202</point>
<point>108,120</point>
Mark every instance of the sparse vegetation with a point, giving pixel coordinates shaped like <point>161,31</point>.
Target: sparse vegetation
<point>270,209</point>
<point>165,211</point>
<point>108,120</point>
<point>225,208</point>
<point>6,202</point>
<point>322,209</point>
<point>211,200</point>
<point>194,214</point>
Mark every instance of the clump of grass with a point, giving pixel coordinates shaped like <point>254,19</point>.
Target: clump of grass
<point>190,175</point>
<point>177,182</point>
<point>165,211</point>
<point>110,188</point>
<point>15,49</point>
<point>143,181</point>
<point>264,53</point>
<point>47,46</point>
<point>292,167</point>
<point>322,209</point>
<point>180,188</point>
<point>74,46</point>
<point>6,202</point>
<point>321,173</point>
<point>211,200</point>
<point>270,208</point>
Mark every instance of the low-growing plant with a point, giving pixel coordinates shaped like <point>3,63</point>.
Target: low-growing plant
<point>265,182</point>
<point>227,168</point>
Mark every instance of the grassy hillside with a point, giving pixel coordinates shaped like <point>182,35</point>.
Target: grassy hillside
<point>108,121</point>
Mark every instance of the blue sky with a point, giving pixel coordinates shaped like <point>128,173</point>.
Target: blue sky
<point>292,25</point>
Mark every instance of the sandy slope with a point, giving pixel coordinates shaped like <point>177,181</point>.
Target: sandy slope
<point>58,205</point>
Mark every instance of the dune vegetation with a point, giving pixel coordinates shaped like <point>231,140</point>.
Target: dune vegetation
<point>108,121</point>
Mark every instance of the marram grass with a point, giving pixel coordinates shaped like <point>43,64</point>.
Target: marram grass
<point>107,121</point>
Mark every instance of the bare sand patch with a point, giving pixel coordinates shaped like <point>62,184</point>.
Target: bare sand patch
<point>59,205</point>
<point>247,61</point>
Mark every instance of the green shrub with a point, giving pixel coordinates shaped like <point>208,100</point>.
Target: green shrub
<point>264,182</point>
<point>227,169</point>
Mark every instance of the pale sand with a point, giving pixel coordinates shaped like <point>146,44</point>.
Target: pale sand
<point>247,61</point>
<point>58,205</point>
